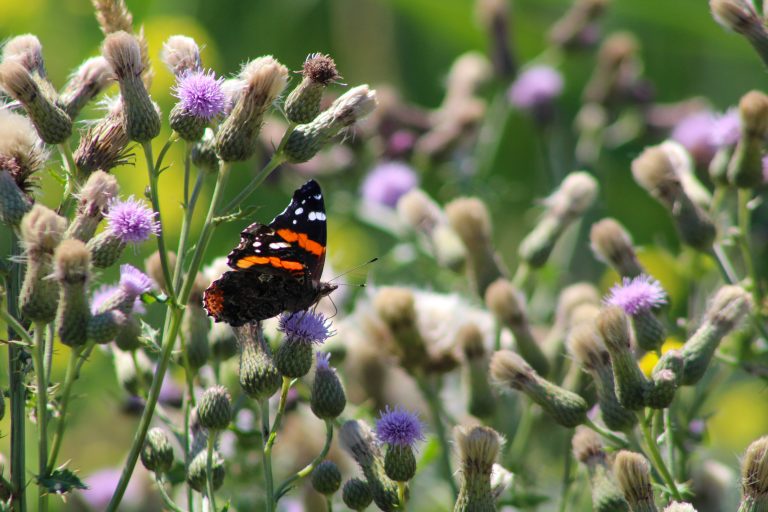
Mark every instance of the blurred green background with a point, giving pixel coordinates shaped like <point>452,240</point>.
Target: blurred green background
<point>409,44</point>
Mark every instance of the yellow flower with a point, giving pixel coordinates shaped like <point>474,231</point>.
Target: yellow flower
<point>649,360</point>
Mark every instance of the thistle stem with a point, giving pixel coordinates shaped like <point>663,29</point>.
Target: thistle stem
<point>160,481</point>
<point>48,359</point>
<point>433,402</point>
<point>42,414</point>
<point>66,393</point>
<point>209,470</point>
<point>655,455</point>
<point>401,495</point>
<point>287,383</point>
<point>188,404</point>
<point>266,456</point>
<point>286,486</point>
<point>607,434</point>
<point>745,244</point>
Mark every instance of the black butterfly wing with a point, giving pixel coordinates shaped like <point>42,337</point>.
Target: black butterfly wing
<point>261,249</point>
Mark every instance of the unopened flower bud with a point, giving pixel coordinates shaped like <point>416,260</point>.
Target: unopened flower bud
<point>727,308</point>
<point>14,203</point>
<point>27,51</point>
<point>508,306</point>
<point>327,400</point>
<point>754,477</point>
<point>326,478</point>
<point>181,54</point>
<point>566,408</point>
<point>745,169</point>
<point>129,334</point>
<point>103,327</point>
<point>612,244</point>
<point>481,401</point>
<point>470,219</point>
<point>123,52</point>
<point>258,376</point>
<point>307,139</point>
<point>92,77</point>
<point>204,154</point>
<point>51,122</point>
<point>197,471</point>
<point>615,72</point>
<point>631,384</point>
<point>104,145</point>
<point>356,494</point>
<point>654,172</point>
<point>237,138</point>
<point>478,449</point>
<point>396,307</point>
<point>214,409</point>
<point>194,328</point>
<point>739,16</point>
<point>577,28</point>
<point>588,449</point>
<point>106,249</point>
<point>93,200</point>
<point>71,267</point>
<point>303,104</point>
<point>22,155</point>
<point>634,476</point>
<point>157,452</point>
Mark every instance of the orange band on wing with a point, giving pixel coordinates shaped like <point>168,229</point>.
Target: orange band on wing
<point>303,241</point>
<point>250,261</point>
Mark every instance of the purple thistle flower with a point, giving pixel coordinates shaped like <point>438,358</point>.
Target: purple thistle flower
<point>323,362</point>
<point>399,427</point>
<point>695,133</point>
<point>726,129</point>
<point>201,94</point>
<point>637,295</point>
<point>131,220</point>
<point>105,292</point>
<point>387,182</point>
<point>305,327</point>
<point>536,87</point>
<point>133,281</point>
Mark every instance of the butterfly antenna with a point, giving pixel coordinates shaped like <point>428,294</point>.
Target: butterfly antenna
<point>355,268</point>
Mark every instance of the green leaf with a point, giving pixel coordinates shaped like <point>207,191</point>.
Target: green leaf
<point>149,336</point>
<point>61,178</point>
<point>151,297</point>
<point>61,481</point>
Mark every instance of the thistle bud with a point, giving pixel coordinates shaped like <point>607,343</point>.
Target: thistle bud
<point>588,449</point>
<point>133,284</point>
<point>634,476</point>
<point>93,200</point>
<point>258,376</point>
<point>181,54</point>
<point>51,122</point>
<point>566,408</point>
<point>631,384</point>
<point>327,400</point>
<point>14,203</point>
<point>470,219</point>
<point>222,341</point>
<point>326,478</point>
<point>754,477</point>
<point>302,329</point>
<point>641,297</point>
<point>358,439</point>
<point>237,138</point>
<point>481,402</point>
<point>128,335</point>
<point>654,171</point>
<point>400,430</point>
<point>106,249</point>
<point>133,369</point>
<point>201,99</point>
<point>727,308</point>
<point>356,494</point>
<point>307,139</point>
<point>103,327</point>
<point>396,308</point>
<point>575,195</point>
<point>676,506</point>
<point>27,51</point>
<point>197,473</point>
<point>203,153</point>
<point>214,410</point>
<point>745,169</point>
<point>739,16</point>
<point>22,155</point>
<point>508,306</point>
<point>303,104</point>
<point>157,452</point>
<point>104,145</point>
<point>577,28</point>
<point>612,244</point>
<point>71,266</point>
<point>92,77</point>
<point>478,449</point>
<point>123,52</point>
<point>616,71</point>
<point>41,232</point>
<point>194,328</point>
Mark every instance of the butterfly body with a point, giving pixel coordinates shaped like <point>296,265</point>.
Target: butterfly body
<point>277,267</point>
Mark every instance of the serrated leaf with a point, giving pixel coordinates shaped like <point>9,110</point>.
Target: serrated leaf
<point>149,336</point>
<point>61,481</point>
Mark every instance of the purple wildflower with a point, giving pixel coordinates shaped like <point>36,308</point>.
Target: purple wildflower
<point>101,486</point>
<point>399,427</point>
<point>106,292</point>
<point>387,182</point>
<point>201,94</point>
<point>637,295</point>
<point>131,220</point>
<point>536,87</point>
<point>323,361</point>
<point>133,281</point>
<point>727,129</point>
<point>695,133</point>
<point>305,327</point>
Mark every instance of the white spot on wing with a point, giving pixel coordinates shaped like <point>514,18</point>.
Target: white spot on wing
<point>319,196</point>
<point>316,216</point>
<point>294,221</point>
<point>279,245</point>
<point>299,211</point>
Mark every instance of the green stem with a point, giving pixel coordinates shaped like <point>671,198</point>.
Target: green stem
<point>266,456</point>
<point>42,414</point>
<point>433,402</point>
<point>48,358</point>
<point>521,275</point>
<point>66,392</point>
<point>607,434</point>
<point>287,383</point>
<point>401,495</point>
<point>567,476</point>
<point>329,503</point>
<point>670,437</point>
<point>160,481</point>
<point>286,486</point>
<point>70,171</point>
<point>209,470</point>
<point>655,455</point>
<point>188,405</point>
<point>745,244</point>
<point>186,223</point>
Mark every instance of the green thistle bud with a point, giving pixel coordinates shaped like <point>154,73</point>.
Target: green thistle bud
<point>157,452</point>
<point>222,341</point>
<point>14,203</point>
<point>258,376</point>
<point>478,449</point>
<point>133,369</point>
<point>128,334</point>
<point>654,171</point>
<point>631,384</point>
<point>661,392</point>
<point>93,76</point>
<point>327,400</point>
<point>71,265</point>
<point>326,478</point>
<point>727,308</point>
<point>754,477</point>
<point>746,166</point>
<point>566,408</point>
<point>92,203</point>
<point>204,152</point>
<point>612,244</point>
<point>356,494</point>
<point>103,327</point>
<point>123,52</point>
<point>481,402</point>
<point>103,145</point>
<point>470,219</point>
<point>399,463</point>
<point>51,122</point>
<point>214,409</point>
<point>188,125</point>
<point>41,232</point>
<point>197,473</point>
<point>396,307</point>
<point>634,476</point>
<point>294,360</point>
<point>506,303</point>
<point>106,248</point>
<point>358,439</point>
<point>27,51</point>
<point>194,328</point>
<point>263,81</point>
<point>650,333</point>
<point>568,203</point>
<point>307,139</point>
<point>588,449</point>
<point>303,104</point>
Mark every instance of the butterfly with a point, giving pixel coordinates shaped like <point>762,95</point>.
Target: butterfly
<point>277,267</point>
